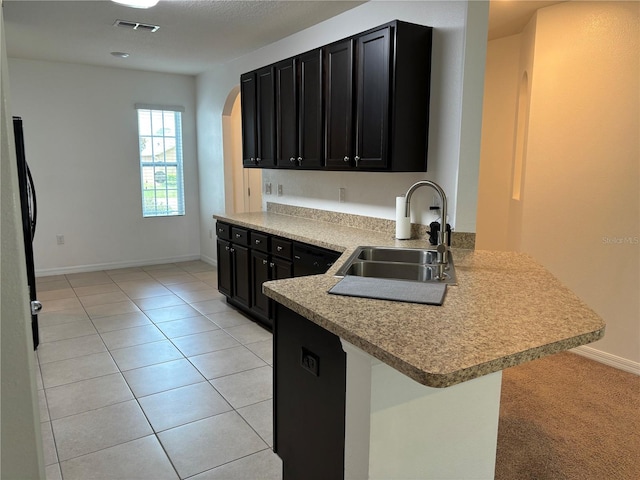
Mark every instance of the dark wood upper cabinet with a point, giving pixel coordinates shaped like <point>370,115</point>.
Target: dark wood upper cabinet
<point>357,131</point>
<point>299,111</point>
<point>373,65</point>
<point>361,103</point>
<point>258,118</point>
<point>249,108</point>
<point>310,95</point>
<point>339,104</point>
<point>286,114</point>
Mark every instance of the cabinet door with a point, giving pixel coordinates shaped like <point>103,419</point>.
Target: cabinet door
<point>309,398</point>
<point>281,269</point>
<point>260,271</point>
<point>242,275</point>
<point>338,104</point>
<point>286,114</point>
<point>372,116</point>
<point>266,118</point>
<point>249,110</point>
<point>310,110</point>
<point>225,268</point>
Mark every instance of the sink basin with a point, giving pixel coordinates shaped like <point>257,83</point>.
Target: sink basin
<point>391,270</point>
<point>403,255</point>
<point>413,264</point>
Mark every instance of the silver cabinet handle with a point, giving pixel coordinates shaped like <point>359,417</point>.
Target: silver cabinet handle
<point>346,159</point>
<point>258,160</point>
<point>227,248</point>
<point>292,159</point>
<point>238,235</point>
<point>272,264</point>
<point>253,160</point>
<point>232,250</point>
<point>279,248</point>
<point>357,159</point>
<point>300,159</point>
<point>36,306</point>
<point>264,262</point>
<point>258,242</point>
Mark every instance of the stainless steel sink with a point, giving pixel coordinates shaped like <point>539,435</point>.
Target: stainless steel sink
<point>413,264</point>
<point>400,271</point>
<point>403,255</point>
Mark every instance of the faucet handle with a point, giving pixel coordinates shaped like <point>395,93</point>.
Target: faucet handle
<point>434,228</point>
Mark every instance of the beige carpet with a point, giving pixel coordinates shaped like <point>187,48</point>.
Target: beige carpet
<point>567,417</point>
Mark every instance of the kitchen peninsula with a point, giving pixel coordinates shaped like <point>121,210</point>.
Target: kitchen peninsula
<point>422,383</point>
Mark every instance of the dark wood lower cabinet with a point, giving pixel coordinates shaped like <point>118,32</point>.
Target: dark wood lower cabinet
<point>309,398</point>
<point>281,269</point>
<point>260,273</point>
<point>225,267</point>
<point>264,268</point>
<point>242,269</point>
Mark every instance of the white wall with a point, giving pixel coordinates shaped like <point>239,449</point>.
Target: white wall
<point>496,157</point>
<point>580,204</point>
<point>582,180</point>
<point>81,144</point>
<point>459,44</point>
<point>21,455</point>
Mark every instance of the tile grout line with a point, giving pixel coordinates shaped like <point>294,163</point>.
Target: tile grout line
<point>183,356</point>
<point>123,377</point>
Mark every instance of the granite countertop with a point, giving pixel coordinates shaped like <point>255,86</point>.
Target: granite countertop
<point>506,309</point>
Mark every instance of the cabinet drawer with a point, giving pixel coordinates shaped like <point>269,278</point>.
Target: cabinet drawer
<point>281,247</point>
<point>240,236</point>
<point>223,230</point>
<point>260,241</point>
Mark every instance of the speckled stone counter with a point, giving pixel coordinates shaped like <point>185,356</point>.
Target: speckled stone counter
<point>505,310</point>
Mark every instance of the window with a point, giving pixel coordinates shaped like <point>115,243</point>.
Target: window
<point>160,136</point>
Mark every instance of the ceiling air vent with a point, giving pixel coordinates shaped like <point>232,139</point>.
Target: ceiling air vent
<point>143,27</point>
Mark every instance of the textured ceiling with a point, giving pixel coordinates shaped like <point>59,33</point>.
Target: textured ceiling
<point>194,35</point>
<point>508,17</point>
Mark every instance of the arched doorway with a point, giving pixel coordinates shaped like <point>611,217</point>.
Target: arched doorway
<point>243,186</point>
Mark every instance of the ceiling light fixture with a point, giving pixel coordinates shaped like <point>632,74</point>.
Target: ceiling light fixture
<point>120,54</point>
<point>137,3</point>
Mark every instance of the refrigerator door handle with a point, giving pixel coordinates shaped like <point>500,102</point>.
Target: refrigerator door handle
<point>33,203</point>
<point>36,306</point>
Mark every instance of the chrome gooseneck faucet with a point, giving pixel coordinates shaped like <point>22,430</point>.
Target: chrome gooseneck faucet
<point>443,235</point>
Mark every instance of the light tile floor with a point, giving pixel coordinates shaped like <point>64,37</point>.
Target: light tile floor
<point>147,373</point>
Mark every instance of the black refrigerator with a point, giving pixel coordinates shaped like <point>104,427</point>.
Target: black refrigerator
<point>29,216</point>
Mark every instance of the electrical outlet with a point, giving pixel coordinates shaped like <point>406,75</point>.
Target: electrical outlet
<point>341,194</point>
<point>60,239</point>
<point>310,362</point>
<point>279,190</point>
<point>267,188</point>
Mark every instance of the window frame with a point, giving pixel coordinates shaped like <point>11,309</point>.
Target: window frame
<point>161,137</point>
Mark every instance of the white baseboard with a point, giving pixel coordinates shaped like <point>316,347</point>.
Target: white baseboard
<point>45,272</point>
<point>209,260</point>
<point>608,359</point>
